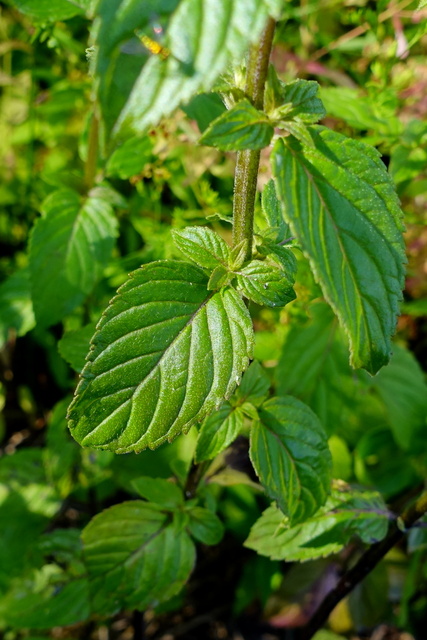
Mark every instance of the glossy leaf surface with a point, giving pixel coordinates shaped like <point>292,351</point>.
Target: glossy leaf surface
<point>341,204</point>
<point>265,284</point>
<point>166,353</point>
<point>218,431</point>
<point>290,454</point>
<point>202,246</point>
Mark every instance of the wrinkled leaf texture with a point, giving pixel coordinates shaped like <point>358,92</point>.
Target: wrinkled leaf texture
<point>340,202</point>
<point>289,451</point>
<point>166,352</point>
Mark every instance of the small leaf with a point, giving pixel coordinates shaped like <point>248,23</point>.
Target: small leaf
<point>205,526</point>
<point>242,127</point>
<point>282,256</point>
<point>218,432</point>
<point>166,352</point>
<point>421,4</point>
<point>136,557</point>
<point>74,346</point>
<point>202,246</point>
<point>265,284</point>
<point>289,451</point>
<point>341,205</point>
<point>159,491</point>
<point>299,130</point>
<point>325,532</point>
<point>69,247</point>
<point>300,102</point>
<point>220,277</point>
<point>254,386</point>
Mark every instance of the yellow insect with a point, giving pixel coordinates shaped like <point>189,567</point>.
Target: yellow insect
<point>154,47</point>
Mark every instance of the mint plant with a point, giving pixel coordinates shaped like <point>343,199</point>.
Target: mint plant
<point>177,350</point>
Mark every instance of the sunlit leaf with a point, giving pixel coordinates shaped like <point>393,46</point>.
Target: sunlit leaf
<point>341,204</point>
<point>166,353</point>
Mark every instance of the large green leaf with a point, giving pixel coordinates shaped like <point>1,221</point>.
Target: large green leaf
<point>289,451</point>
<point>167,351</point>
<point>242,127</point>
<point>327,531</point>
<point>201,39</point>
<point>341,204</point>
<point>136,557</point>
<point>69,248</point>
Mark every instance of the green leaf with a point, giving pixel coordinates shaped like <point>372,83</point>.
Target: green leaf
<point>403,388</point>
<point>421,4</point>
<point>281,256</point>
<point>16,308</point>
<point>205,526</point>
<point>48,10</point>
<point>341,204</point>
<point>254,386</point>
<point>220,277</point>
<point>300,102</point>
<point>265,284</point>
<point>314,367</point>
<point>218,431</point>
<point>136,557</point>
<point>196,53</point>
<point>290,454</point>
<point>74,346</point>
<point>272,212</point>
<point>204,108</point>
<point>130,158</point>
<point>360,111</point>
<point>45,599</point>
<point>159,491</point>
<point>202,246</point>
<point>327,531</point>
<point>166,353</point>
<point>242,127</point>
<point>69,247</point>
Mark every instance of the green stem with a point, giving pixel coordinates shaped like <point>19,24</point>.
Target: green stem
<point>247,163</point>
<point>366,563</point>
<point>92,152</point>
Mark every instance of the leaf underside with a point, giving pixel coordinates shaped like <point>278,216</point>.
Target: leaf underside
<point>166,352</point>
<point>340,203</point>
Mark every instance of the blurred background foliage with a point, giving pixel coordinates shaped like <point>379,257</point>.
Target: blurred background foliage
<point>370,60</point>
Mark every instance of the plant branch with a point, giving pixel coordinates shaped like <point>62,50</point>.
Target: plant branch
<point>365,565</point>
<point>247,163</point>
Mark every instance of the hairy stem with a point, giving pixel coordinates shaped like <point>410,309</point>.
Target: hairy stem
<point>365,565</point>
<point>247,164</point>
